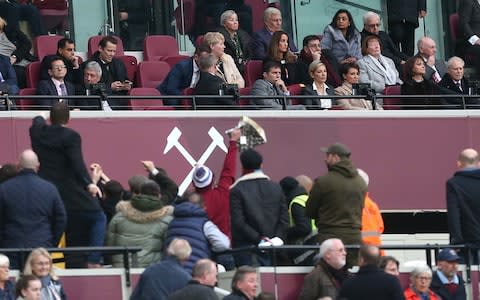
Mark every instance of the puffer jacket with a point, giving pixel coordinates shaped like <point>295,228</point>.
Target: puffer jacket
<point>138,223</point>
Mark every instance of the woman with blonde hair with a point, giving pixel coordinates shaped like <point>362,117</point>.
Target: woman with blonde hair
<point>318,72</point>
<point>226,67</point>
<point>39,263</point>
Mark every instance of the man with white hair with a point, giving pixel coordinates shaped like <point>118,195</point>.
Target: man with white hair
<point>31,210</point>
<point>371,26</point>
<point>329,273</point>
<point>434,68</point>
<point>272,18</point>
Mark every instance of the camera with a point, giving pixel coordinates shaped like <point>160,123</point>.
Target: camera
<point>98,89</point>
<point>229,89</point>
<point>363,89</point>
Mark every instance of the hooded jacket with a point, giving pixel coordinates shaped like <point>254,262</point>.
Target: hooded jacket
<point>463,211</point>
<point>140,222</point>
<point>337,198</point>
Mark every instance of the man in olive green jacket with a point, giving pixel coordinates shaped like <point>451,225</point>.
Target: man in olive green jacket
<point>336,200</point>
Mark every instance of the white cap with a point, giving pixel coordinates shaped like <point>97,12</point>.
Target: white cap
<point>202,176</point>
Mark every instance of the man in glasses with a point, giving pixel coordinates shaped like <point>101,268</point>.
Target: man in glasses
<point>65,50</point>
<point>371,26</point>
<point>56,85</point>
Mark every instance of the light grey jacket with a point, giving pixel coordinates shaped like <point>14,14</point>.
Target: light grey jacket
<point>334,40</point>
<point>371,71</point>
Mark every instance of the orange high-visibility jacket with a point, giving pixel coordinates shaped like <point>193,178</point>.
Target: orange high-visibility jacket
<point>372,223</point>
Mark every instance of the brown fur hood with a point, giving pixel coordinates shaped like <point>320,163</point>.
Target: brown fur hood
<point>133,214</point>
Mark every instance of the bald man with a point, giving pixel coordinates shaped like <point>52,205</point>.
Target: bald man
<point>201,287</point>
<point>30,217</point>
<point>434,68</point>
<point>463,193</point>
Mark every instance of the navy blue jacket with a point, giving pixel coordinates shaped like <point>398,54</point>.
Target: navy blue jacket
<point>47,87</point>
<point>31,212</point>
<point>178,79</point>
<point>160,280</point>
<point>9,75</point>
<point>188,221</point>
<point>440,289</point>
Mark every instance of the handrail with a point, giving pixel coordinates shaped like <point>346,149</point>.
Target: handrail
<point>359,6</point>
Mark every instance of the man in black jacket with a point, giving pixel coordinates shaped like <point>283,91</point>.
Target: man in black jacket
<point>201,287</point>
<point>31,217</point>
<point>65,50</point>
<point>257,208</point>
<point>371,282</point>
<point>59,149</point>
<point>445,281</point>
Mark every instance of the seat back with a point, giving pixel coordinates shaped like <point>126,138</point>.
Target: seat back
<point>245,92</point>
<point>295,89</point>
<point>453,26</point>
<point>26,104</point>
<point>33,74</point>
<point>54,18</point>
<point>173,60</point>
<point>44,45</point>
<point>131,65</point>
<point>152,73</point>
<point>147,104</point>
<point>188,103</point>
<point>157,46</point>
<point>253,71</point>
<point>93,45</point>
<point>392,103</point>
<point>258,7</point>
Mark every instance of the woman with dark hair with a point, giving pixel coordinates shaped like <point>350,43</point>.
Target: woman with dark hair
<point>342,38</point>
<point>416,84</point>
<point>278,51</point>
<point>28,287</point>
<point>351,74</point>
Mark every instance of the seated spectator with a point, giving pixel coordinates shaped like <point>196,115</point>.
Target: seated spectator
<point>183,75</point>
<point>39,264</point>
<point>302,229</point>
<point>417,84</point>
<point>390,265</point>
<point>272,18</point>
<point>8,81</point>
<point>8,171</point>
<point>318,72</point>
<point>278,51</point>
<point>56,85</point>
<point>190,222</point>
<point>135,17</point>
<point>114,72</point>
<point>434,68</point>
<point>92,74</point>
<point>350,73</point>
<point>419,289</point>
<point>342,38</point>
<point>371,26</point>
<point>28,287</point>
<point>329,273</point>
<point>142,221</point>
<point>271,85</point>
<point>468,17</point>
<point>446,282</point>
<point>455,81</point>
<point>210,84</point>
<point>225,68</point>
<point>14,11</point>
<point>7,288</point>
<point>376,69</point>
<point>236,39</point>
<point>313,51</point>
<point>65,50</point>
<point>244,284</point>
<point>16,45</point>
<point>160,280</point>
<point>168,187</point>
<point>201,287</point>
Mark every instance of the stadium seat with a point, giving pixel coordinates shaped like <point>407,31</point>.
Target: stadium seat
<point>157,46</point>
<point>245,92</point>
<point>199,41</point>
<point>33,74</point>
<point>392,103</point>
<point>152,73</point>
<point>188,103</point>
<point>173,60</point>
<point>54,14</point>
<point>147,104</point>
<point>295,89</point>
<point>93,45</point>
<point>26,104</point>
<point>253,71</point>
<point>131,65</point>
<point>258,6</point>
<point>44,45</point>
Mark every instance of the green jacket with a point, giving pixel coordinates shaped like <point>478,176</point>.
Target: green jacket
<point>140,223</point>
<point>336,199</point>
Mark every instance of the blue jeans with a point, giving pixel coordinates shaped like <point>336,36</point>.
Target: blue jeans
<point>85,229</point>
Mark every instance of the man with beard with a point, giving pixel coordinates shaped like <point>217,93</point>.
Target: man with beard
<point>445,281</point>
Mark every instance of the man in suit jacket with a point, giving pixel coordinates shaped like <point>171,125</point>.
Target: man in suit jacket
<point>469,18</point>
<point>271,85</point>
<point>59,150</point>
<point>183,75</point>
<point>65,50</point>
<point>434,68</point>
<point>209,83</point>
<point>56,85</point>
<point>272,18</point>
<point>371,26</point>
<point>457,83</point>
<point>402,20</point>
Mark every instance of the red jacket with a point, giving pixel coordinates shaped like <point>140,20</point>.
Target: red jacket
<point>217,199</point>
<point>411,295</point>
